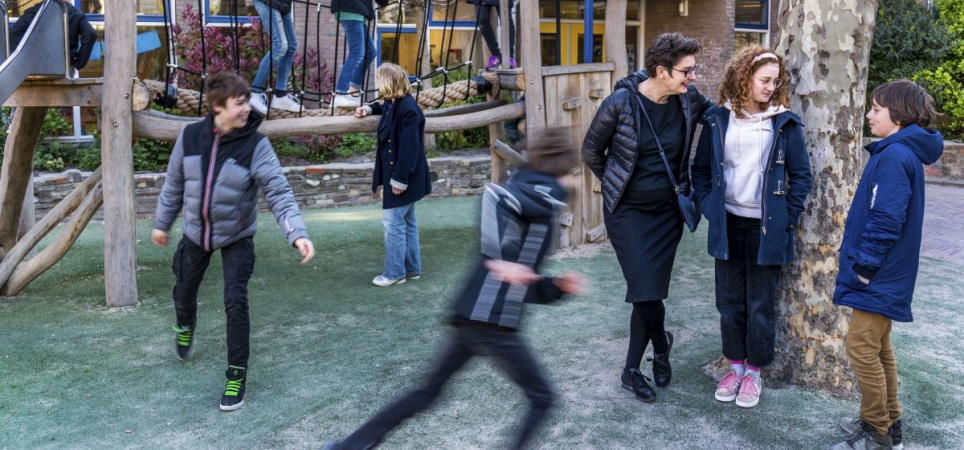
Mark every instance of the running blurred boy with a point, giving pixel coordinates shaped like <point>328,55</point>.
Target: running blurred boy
<point>518,225</point>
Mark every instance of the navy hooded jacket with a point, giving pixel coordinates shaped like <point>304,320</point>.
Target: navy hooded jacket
<point>786,184</point>
<point>400,160</point>
<point>882,236</point>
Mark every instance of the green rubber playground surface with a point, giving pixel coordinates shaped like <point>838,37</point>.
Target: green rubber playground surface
<point>328,349</point>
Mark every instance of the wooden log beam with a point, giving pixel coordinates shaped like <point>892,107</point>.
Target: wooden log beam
<point>28,271</point>
<point>165,127</point>
<point>17,170</point>
<point>465,109</point>
<point>507,153</point>
<point>50,220</point>
<point>120,280</point>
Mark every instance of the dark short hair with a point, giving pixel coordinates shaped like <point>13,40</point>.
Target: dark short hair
<point>551,150</point>
<point>908,102</point>
<point>667,49</point>
<point>224,85</point>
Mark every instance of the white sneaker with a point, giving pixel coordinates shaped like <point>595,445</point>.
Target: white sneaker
<point>285,103</point>
<point>259,102</point>
<point>384,281</point>
<point>347,101</point>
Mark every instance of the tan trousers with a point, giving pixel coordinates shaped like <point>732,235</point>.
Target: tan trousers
<point>872,357</point>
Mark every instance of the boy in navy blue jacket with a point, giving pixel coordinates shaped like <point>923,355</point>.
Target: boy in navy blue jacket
<point>880,253</point>
<point>518,225</point>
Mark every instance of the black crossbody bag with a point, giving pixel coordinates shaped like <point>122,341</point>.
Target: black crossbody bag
<point>688,207</point>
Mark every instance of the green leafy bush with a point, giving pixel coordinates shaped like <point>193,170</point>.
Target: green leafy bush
<point>457,140</point>
<point>946,81</point>
<point>320,149</point>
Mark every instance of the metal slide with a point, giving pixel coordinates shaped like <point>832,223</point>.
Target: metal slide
<point>42,52</point>
<point>4,32</point>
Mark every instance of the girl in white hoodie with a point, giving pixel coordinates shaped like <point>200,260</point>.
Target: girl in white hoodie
<point>752,177</point>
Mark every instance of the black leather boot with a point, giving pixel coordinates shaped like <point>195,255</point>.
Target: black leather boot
<point>662,371</point>
<point>635,381</point>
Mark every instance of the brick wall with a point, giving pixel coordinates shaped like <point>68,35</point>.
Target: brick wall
<point>951,164</point>
<point>710,22</point>
<point>318,186</point>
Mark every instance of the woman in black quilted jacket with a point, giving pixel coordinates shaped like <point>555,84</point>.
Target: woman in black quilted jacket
<point>641,213</point>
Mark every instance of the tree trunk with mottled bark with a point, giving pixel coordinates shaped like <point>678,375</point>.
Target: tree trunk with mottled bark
<point>827,47</point>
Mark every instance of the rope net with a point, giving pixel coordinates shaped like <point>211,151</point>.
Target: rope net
<point>167,93</point>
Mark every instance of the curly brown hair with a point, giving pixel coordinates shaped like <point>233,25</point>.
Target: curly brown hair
<point>736,81</point>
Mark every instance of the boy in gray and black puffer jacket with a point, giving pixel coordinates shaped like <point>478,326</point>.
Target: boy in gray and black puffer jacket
<point>215,171</point>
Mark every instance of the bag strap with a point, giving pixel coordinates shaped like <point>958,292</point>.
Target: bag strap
<point>662,154</point>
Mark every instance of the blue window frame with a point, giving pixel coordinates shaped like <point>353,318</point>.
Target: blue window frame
<point>379,31</point>
<point>98,17</point>
<point>753,14</point>
<point>245,12</point>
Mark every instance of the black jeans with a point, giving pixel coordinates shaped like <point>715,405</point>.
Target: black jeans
<point>506,349</point>
<point>483,14</point>
<point>190,263</point>
<point>745,295</point>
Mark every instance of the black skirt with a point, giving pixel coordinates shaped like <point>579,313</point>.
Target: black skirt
<point>645,230</point>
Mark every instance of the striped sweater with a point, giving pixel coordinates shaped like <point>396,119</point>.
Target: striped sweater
<point>518,224</point>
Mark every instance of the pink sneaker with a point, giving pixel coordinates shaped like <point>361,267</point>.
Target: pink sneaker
<point>728,388</point>
<point>494,62</point>
<point>750,388</point>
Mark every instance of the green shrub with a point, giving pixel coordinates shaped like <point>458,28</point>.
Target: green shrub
<point>319,149</point>
<point>56,123</point>
<point>355,144</point>
<point>946,81</point>
<point>457,140</point>
<point>462,139</point>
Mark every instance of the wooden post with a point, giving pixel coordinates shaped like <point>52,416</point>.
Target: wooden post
<point>532,66</point>
<point>28,215</point>
<point>120,281</point>
<point>616,37</point>
<point>17,171</point>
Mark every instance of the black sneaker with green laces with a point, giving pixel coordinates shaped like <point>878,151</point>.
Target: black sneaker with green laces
<point>183,342</point>
<point>233,397</point>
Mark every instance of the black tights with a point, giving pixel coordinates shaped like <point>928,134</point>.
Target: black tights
<point>645,325</point>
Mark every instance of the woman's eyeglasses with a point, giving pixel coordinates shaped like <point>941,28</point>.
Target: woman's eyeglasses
<point>687,72</point>
<point>775,82</point>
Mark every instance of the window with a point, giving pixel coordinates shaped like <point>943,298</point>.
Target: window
<point>548,49</point>
<point>406,46</point>
<point>389,15</point>
<point>632,37</point>
<point>599,10</point>
<point>220,11</point>
<point>16,9</point>
<point>147,10</point>
<point>752,14</point>
<point>461,12</point>
<point>568,9</point>
<point>752,23</point>
<point>744,39</point>
<point>457,47</point>
<point>597,48</point>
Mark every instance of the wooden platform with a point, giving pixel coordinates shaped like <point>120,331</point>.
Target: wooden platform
<point>58,93</point>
